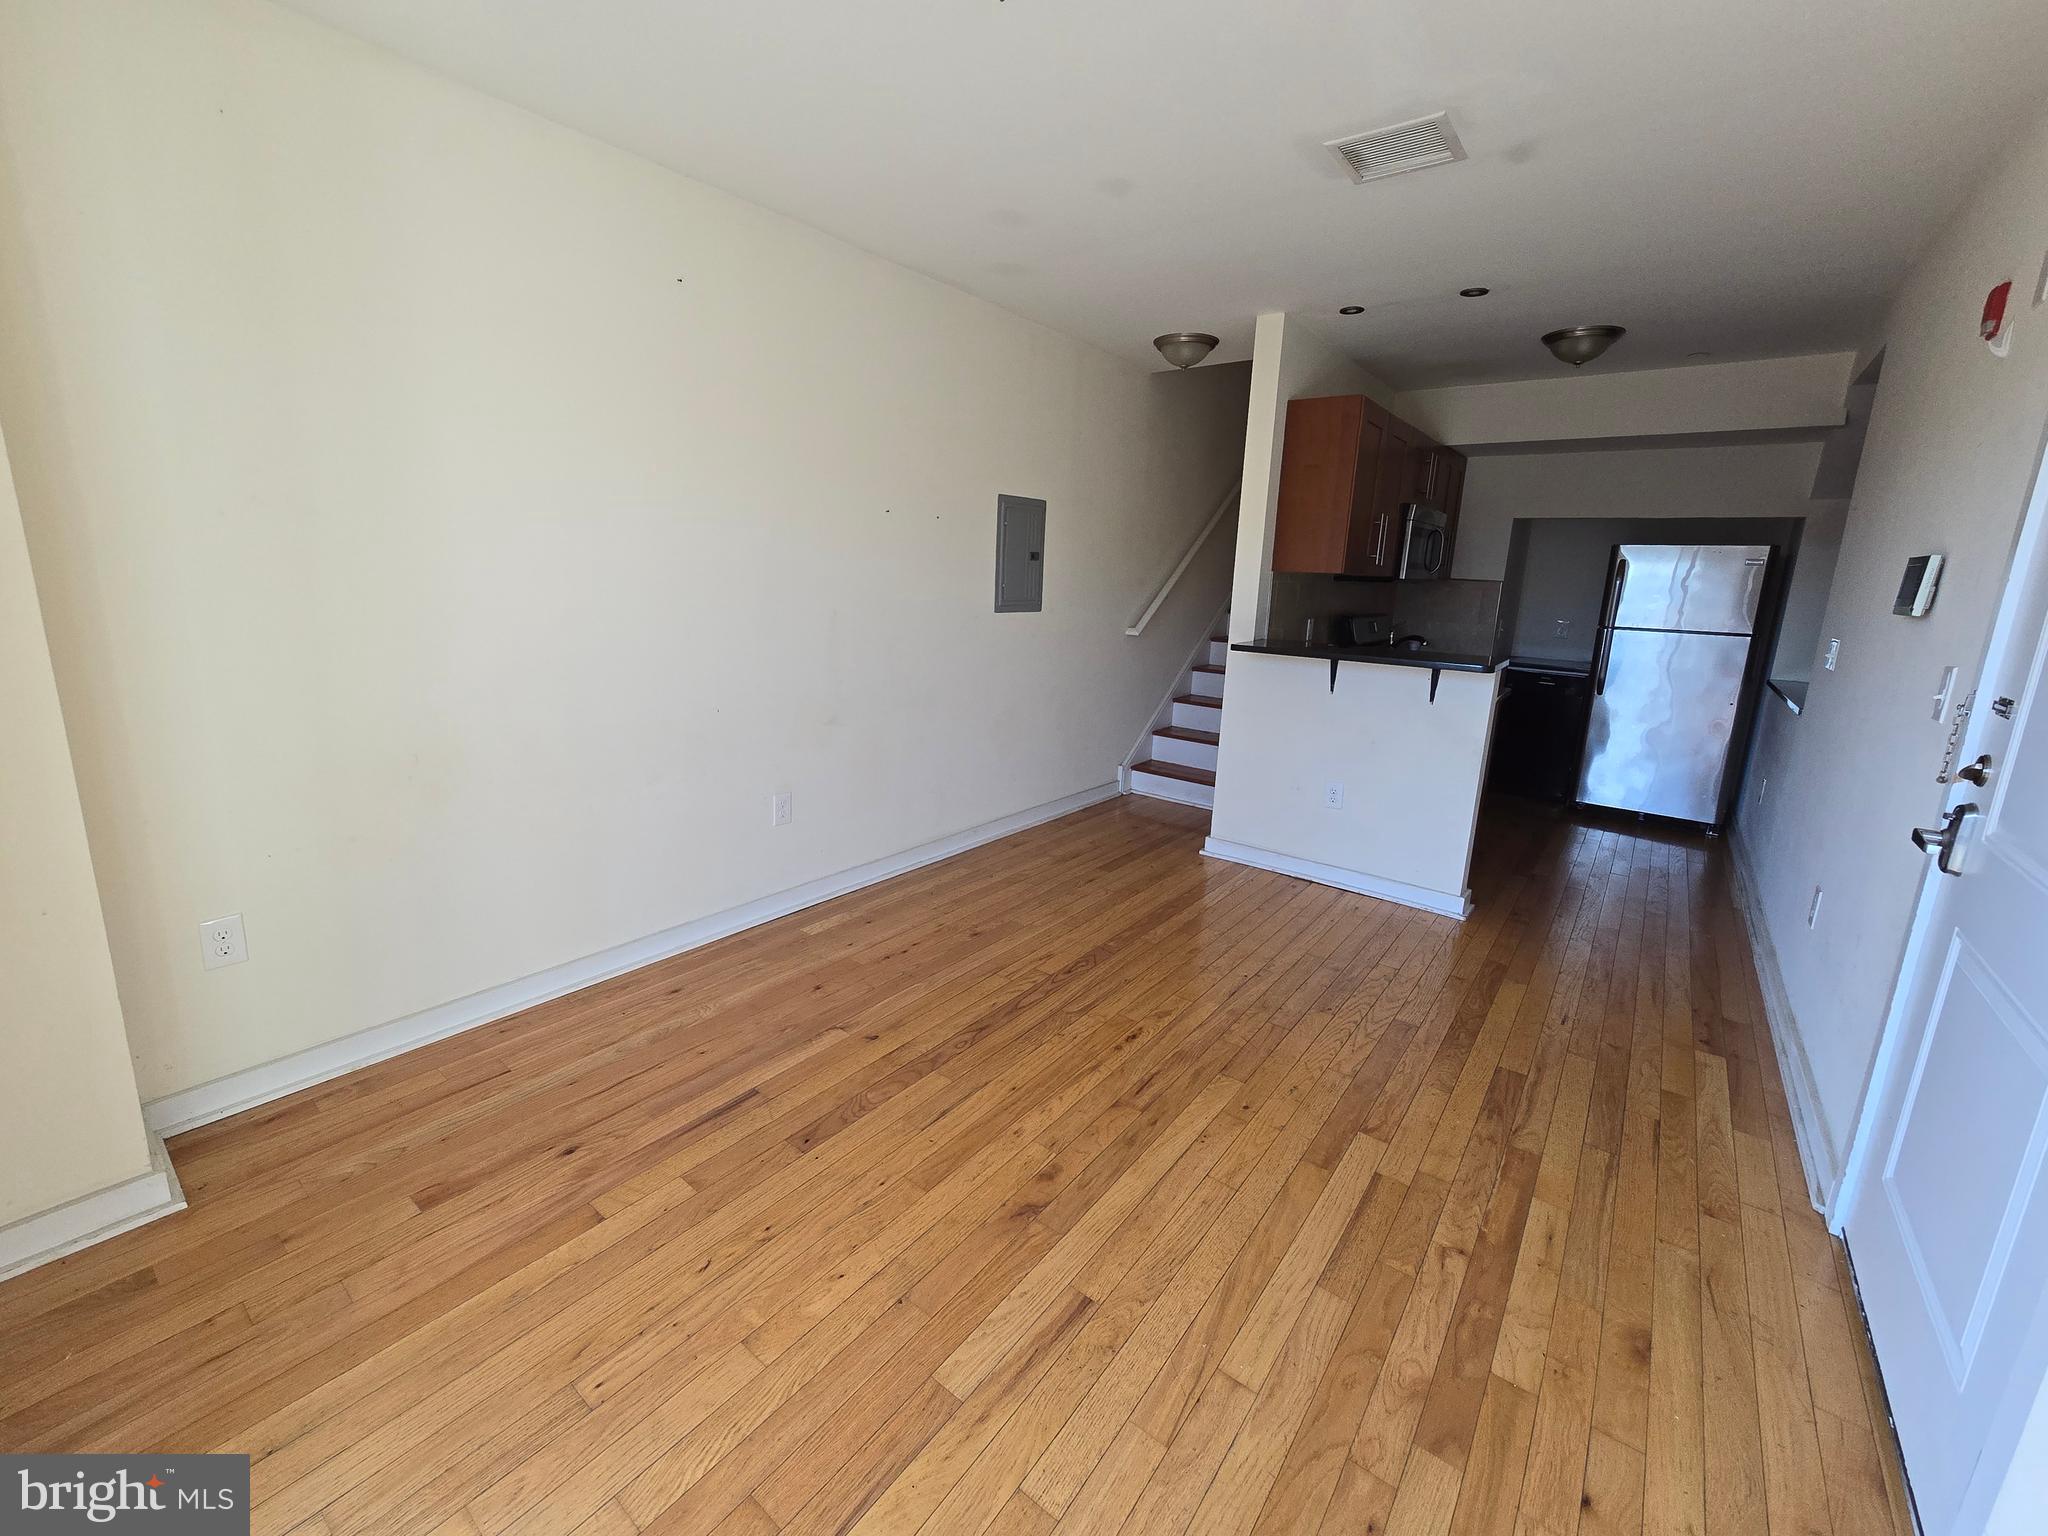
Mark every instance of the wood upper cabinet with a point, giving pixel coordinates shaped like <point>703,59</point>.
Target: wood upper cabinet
<point>1328,461</point>
<point>1394,489</point>
<point>1347,468</point>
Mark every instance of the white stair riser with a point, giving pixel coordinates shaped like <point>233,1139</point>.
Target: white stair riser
<point>1219,653</point>
<point>1195,754</point>
<point>1198,717</point>
<point>1173,789</point>
<point>1208,684</point>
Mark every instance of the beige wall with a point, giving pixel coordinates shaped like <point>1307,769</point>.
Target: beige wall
<point>453,530</point>
<point>1955,440</point>
<point>69,1121</point>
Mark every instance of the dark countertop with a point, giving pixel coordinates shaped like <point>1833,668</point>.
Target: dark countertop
<point>1792,691</point>
<point>1385,656</point>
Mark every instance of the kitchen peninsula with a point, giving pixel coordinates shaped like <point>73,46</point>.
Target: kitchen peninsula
<point>1359,767</point>
<point>1355,765</point>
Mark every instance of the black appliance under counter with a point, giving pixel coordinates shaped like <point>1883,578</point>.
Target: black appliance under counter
<point>1540,729</point>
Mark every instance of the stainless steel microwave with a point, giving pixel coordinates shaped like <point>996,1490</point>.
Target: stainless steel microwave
<point>1425,542</point>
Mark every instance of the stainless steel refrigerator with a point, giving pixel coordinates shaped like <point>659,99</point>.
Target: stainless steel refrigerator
<point>1675,634</point>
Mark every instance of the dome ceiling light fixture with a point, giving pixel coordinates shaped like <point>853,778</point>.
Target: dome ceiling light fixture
<point>1473,293</point>
<point>1184,349</point>
<point>1580,344</point>
<point>1352,309</point>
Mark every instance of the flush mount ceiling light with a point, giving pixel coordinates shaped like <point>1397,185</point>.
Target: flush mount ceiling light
<point>1580,344</point>
<point>1352,309</point>
<point>1184,349</point>
<point>1473,293</point>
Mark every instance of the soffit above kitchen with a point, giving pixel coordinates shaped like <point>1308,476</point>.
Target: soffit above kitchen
<point>1734,179</point>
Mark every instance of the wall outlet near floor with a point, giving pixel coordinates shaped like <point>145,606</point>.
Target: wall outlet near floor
<point>1333,797</point>
<point>221,942</point>
<point>1813,908</point>
<point>1563,628</point>
<point>782,809</point>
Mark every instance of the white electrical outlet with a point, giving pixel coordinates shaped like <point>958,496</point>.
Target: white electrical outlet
<point>221,942</point>
<point>1834,654</point>
<point>1564,628</point>
<point>782,809</point>
<point>1333,797</point>
<point>1813,908</point>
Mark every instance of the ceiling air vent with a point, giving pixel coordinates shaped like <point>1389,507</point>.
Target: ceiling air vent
<point>1410,146</point>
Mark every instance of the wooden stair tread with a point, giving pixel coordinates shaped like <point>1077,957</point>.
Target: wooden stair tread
<point>1205,700</point>
<point>1187,733</point>
<point>1205,667</point>
<point>1175,771</point>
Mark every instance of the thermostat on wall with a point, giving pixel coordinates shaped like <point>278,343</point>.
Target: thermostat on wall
<point>1916,591</point>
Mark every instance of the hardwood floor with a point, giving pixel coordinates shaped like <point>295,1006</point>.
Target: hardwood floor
<point>1078,1183</point>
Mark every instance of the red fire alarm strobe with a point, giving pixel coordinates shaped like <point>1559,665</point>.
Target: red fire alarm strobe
<point>1994,311</point>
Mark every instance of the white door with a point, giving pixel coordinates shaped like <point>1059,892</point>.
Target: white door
<point>1946,1212</point>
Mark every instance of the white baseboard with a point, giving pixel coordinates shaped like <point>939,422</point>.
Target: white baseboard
<point>224,1096</point>
<point>1159,787</point>
<point>1344,879</point>
<point>93,1218</point>
<point>1809,1122</point>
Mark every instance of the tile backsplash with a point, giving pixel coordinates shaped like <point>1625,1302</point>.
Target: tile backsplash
<point>1455,615</point>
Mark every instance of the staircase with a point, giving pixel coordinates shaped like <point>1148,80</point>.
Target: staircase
<point>1180,761</point>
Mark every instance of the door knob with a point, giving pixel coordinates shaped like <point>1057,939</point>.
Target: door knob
<point>1941,841</point>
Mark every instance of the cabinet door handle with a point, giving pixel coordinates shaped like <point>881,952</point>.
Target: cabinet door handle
<point>1379,541</point>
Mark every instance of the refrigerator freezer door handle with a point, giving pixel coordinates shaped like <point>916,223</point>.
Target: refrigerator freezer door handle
<point>1607,630</point>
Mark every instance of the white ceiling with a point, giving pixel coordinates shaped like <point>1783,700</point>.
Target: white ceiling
<point>1745,178</point>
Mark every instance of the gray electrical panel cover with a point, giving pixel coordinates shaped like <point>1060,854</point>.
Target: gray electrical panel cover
<point>1020,554</point>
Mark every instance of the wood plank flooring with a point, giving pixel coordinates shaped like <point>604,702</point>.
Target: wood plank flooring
<point>1076,1184</point>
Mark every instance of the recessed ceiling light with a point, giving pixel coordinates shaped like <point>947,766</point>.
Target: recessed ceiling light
<point>1473,293</point>
<point>1352,309</point>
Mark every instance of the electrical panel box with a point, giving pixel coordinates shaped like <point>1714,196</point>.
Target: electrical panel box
<point>1020,554</point>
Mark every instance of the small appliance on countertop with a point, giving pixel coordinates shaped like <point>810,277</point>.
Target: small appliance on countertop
<point>1362,629</point>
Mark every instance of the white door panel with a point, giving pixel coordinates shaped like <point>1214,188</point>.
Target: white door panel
<point>1974,1101</point>
<point>1946,1206</point>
